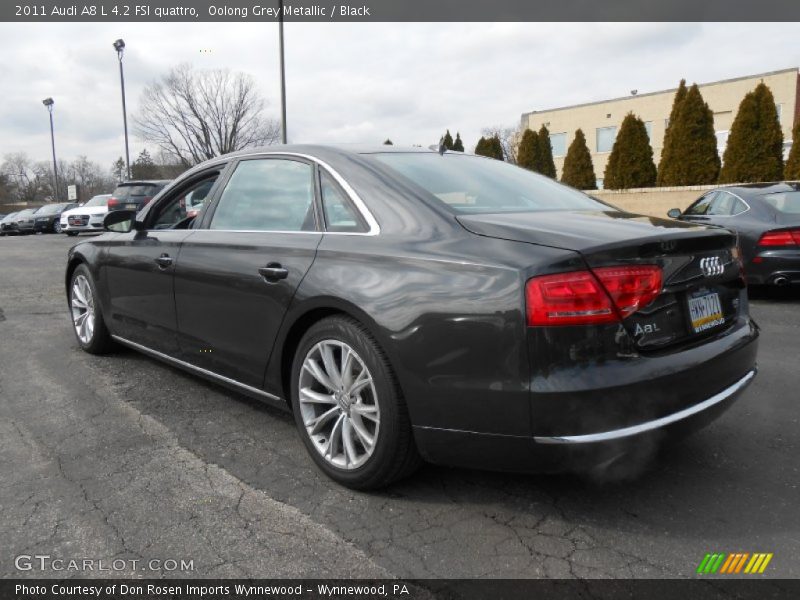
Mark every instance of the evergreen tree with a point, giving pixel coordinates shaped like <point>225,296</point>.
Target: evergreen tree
<point>680,94</point>
<point>755,143</point>
<point>496,147</point>
<point>528,151</point>
<point>792,171</point>
<point>118,169</point>
<point>388,142</point>
<point>546,165</point>
<point>631,162</point>
<point>690,154</point>
<point>448,140</point>
<point>578,168</point>
<point>480,147</point>
<point>458,145</point>
<point>144,167</point>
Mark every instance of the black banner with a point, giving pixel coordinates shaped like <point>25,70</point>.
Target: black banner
<point>399,10</point>
<point>712,588</point>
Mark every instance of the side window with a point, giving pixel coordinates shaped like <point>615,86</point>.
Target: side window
<point>340,214</point>
<point>701,206</point>
<point>186,203</point>
<point>738,207</point>
<point>723,205</point>
<point>268,194</point>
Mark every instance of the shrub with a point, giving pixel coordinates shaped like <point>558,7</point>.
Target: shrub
<point>631,162</point>
<point>578,168</point>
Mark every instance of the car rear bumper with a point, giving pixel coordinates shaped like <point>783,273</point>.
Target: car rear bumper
<point>774,267</point>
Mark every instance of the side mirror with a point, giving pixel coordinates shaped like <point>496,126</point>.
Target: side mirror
<point>121,221</point>
<point>674,213</point>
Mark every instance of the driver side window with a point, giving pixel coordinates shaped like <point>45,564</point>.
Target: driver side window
<point>701,207</point>
<point>186,203</point>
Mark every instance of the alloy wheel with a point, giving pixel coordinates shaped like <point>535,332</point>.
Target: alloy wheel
<point>82,305</point>
<point>339,404</point>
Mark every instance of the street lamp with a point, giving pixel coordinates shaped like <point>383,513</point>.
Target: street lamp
<point>48,102</point>
<point>283,72</point>
<point>119,46</point>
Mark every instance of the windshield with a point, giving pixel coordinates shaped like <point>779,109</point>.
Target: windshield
<point>785,202</point>
<point>51,209</point>
<point>101,200</point>
<point>472,184</point>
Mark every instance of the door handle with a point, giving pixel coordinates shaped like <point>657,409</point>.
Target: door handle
<point>273,272</point>
<point>164,261</point>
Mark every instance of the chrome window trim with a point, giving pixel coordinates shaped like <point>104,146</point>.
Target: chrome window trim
<point>616,434</point>
<point>190,367</point>
<point>361,207</point>
<point>738,197</point>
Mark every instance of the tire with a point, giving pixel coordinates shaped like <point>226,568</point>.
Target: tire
<point>91,331</point>
<point>57,227</point>
<point>356,465</point>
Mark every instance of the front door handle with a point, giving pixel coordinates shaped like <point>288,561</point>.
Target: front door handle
<point>273,272</point>
<point>164,261</point>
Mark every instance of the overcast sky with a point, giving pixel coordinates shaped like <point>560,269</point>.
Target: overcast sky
<point>363,82</point>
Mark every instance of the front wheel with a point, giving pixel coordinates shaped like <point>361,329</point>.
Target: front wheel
<point>348,406</point>
<point>87,319</point>
<point>57,227</point>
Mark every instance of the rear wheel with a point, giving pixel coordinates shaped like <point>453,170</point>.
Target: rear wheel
<point>87,319</point>
<point>348,406</point>
<point>57,227</point>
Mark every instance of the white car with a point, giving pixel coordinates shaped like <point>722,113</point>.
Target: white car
<point>88,217</point>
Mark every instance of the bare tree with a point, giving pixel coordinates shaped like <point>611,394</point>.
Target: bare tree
<point>25,181</point>
<point>509,140</point>
<point>196,115</point>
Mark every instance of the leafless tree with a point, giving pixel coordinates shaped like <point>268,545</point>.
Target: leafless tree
<point>25,181</point>
<point>195,115</point>
<point>509,139</point>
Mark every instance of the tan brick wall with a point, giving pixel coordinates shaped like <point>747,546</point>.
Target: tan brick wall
<point>653,201</point>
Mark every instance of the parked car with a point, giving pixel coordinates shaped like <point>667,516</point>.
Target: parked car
<point>7,224</point>
<point>408,305</point>
<point>88,217</point>
<point>48,217</point>
<point>134,195</point>
<point>766,217</point>
<point>23,222</point>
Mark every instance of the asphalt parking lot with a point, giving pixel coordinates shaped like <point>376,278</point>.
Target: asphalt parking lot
<point>124,457</point>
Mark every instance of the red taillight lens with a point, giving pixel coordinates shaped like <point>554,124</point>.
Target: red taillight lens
<point>790,237</point>
<point>112,203</point>
<point>603,295</point>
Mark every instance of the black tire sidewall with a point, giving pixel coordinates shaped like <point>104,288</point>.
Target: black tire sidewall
<point>366,347</point>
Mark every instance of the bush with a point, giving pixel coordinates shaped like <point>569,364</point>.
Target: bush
<point>690,154</point>
<point>578,168</point>
<point>528,151</point>
<point>680,94</point>
<point>792,171</point>
<point>546,165</point>
<point>448,140</point>
<point>631,162</point>
<point>755,143</point>
<point>458,145</point>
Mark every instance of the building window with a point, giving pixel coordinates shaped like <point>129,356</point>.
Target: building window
<point>598,184</point>
<point>558,141</point>
<point>722,141</point>
<point>605,138</point>
<point>787,147</point>
<point>779,110</point>
<point>666,123</point>
<point>648,125</point>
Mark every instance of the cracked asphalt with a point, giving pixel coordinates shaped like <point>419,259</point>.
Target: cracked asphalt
<point>122,457</point>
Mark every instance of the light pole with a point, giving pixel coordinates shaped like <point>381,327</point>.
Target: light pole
<point>283,72</point>
<point>119,46</point>
<point>48,102</point>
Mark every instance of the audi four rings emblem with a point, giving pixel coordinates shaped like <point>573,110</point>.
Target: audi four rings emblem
<point>711,265</point>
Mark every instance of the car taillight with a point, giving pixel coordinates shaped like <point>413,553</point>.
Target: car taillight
<point>787,237</point>
<point>112,203</point>
<point>146,200</point>
<point>602,295</point>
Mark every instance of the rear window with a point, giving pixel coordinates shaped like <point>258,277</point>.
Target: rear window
<point>785,202</point>
<point>51,209</point>
<point>471,184</point>
<point>126,191</point>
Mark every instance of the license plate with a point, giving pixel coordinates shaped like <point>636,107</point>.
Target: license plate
<point>705,311</point>
<point>130,206</point>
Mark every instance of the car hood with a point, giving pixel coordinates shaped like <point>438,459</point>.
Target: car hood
<point>584,231</point>
<point>88,210</point>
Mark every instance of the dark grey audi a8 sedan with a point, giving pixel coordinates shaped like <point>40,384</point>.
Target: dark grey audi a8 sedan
<point>411,305</point>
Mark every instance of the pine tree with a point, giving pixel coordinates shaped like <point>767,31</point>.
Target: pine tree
<point>388,142</point>
<point>481,147</point>
<point>690,154</point>
<point>578,168</point>
<point>755,143</point>
<point>448,140</point>
<point>496,147</point>
<point>546,165</point>
<point>680,95</point>
<point>144,167</point>
<point>631,162</point>
<point>458,145</point>
<point>792,170</point>
<point>528,151</point>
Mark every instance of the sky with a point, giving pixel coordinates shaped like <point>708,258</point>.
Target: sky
<point>357,82</point>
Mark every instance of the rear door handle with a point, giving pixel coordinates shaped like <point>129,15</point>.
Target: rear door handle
<point>273,272</point>
<point>164,261</point>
